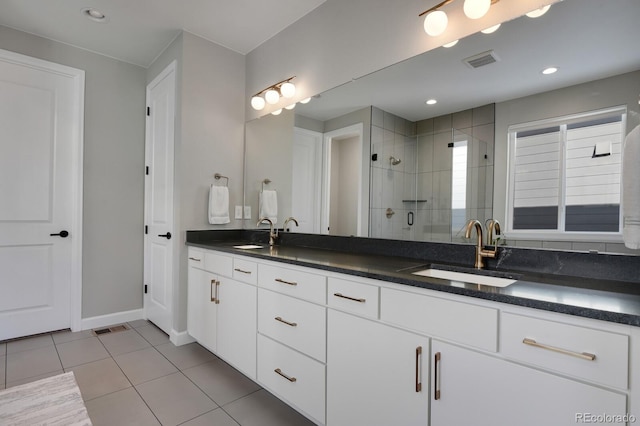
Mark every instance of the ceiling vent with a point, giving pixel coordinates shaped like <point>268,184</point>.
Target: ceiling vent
<point>481,59</point>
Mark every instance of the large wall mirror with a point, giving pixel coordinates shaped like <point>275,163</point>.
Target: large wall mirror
<point>371,158</point>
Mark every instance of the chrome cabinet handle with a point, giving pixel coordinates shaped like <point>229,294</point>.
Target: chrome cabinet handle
<point>360,300</point>
<point>582,355</point>
<point>418,368</point>
<point>292,324</point>
<point>280,280</point>
<point>289,378</point>
<point>213,282</point>
<point>194,258</point>
<point>436,376</point>
<point>244,272</point>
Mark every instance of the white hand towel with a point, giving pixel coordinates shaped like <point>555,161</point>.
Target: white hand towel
<point>269,205</point>
<point>631,189</point>
<point>218,205</point>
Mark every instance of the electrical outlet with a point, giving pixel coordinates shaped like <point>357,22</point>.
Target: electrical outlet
<point>238,212</point>
<point>247,212</point>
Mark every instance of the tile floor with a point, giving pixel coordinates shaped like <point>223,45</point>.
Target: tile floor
<point>138,377</point>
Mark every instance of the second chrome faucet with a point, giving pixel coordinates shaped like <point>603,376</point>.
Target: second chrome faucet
<point>481,252</point>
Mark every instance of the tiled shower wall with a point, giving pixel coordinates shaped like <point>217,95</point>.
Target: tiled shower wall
<point>420,186</point>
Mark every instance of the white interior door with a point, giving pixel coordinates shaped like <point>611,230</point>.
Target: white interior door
<point>160,236</point>
<point>41,119</point>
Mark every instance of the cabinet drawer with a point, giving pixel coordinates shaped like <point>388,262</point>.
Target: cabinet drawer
<point>296,323</point>
<point>362,299</point>
<point>293,282</point>
<point>245,271</point>
<point>196,258</point>
<point>218,264</point>
<point>461,322</point>
<point>567,348</point>
<point>294,377</point>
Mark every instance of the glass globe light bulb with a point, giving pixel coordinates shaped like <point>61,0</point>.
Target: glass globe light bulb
<point>257,103</point>
<point>277,112</point>
<point>272,96</point>
<point>490,29</point>
<point>305,100</point>
<point>436,22</point>
<point>476,9</point>
<point>288,89</point>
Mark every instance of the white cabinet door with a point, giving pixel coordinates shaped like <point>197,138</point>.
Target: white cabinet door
<point>376,374</point>
<point>476,389</point>
<point>201,307</point>
<point>237,325</point>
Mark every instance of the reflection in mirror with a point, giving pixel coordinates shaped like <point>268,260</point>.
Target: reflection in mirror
<point>592,42</point>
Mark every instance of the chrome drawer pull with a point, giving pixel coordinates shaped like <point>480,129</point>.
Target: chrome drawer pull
<point>193,258</point>
<point>582,355</point>
<point>361,300</point>
<point>418,368</point>
<point>244,272</point>
<point>280,280</point>
<point>214,282</point>
<point>292,324</point>
<point>436,375</point>
<point>291,379</point>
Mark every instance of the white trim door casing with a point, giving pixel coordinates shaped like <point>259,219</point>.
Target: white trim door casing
<point>306,180</point>
<point>41,144</point>
<point>160,238</point>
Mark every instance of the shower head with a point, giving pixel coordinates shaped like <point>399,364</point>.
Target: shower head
<point>394,161</point>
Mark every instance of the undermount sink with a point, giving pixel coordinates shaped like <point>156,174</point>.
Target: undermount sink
<point>248,247</point>
<point>465,277</point>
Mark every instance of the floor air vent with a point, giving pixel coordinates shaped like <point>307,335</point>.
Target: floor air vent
<point>113,329</point>
<point>481,59</point>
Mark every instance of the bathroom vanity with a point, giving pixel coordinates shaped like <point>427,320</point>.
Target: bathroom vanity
<point>353,338</point>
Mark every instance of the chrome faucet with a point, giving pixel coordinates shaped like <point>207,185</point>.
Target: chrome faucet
<point>481,253</point>
<point>273,233</point>
<point>289,219</point>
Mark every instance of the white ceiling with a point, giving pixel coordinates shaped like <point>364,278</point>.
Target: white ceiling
<point>586,39</point>
<point>137,31</point>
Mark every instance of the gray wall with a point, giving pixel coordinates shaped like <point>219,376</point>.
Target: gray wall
<point>113,171</point>
<point>604,93</point>
<point>209,139</point>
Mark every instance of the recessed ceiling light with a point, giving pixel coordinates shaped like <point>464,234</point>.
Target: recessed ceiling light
<point>431,102</point>
<point>94,14</point>
<point>549,70</point>
<point>453,43</point>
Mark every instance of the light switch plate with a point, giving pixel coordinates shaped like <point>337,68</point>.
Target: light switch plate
<point>247,212</point>
<point>238,212</point>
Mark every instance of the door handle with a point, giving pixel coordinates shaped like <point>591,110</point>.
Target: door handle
<point>61,234</point>
<point>167,235</point>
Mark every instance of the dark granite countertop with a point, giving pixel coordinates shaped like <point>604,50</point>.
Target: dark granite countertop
<point>613,300</point>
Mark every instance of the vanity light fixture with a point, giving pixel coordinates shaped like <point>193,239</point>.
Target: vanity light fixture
<point>436,21</point>
<point>538,12</point>
<point>431,102</point>
<point>305,100</point>
<point>290,107</point>
<point>277,112</point>
<point>490,30</point>
<point>272,93</point>
<point>453,43</point>
<point>550,70</point>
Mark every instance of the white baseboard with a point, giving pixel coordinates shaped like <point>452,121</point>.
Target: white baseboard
<point>180,338</point>
<point>111,319</point>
